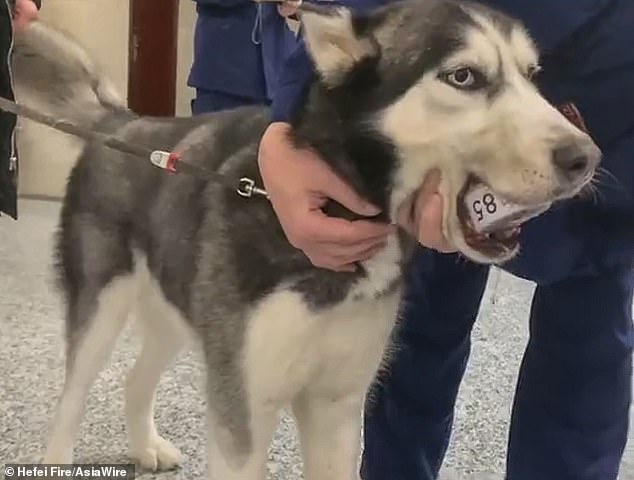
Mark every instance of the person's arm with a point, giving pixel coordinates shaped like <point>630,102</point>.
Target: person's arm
<point>298,70</point>
<point>296,75</point>
<point>25,11</point>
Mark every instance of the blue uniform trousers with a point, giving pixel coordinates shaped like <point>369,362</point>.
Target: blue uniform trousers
<point>570,416</point>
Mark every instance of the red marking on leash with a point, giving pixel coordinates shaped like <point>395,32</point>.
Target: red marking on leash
<point>173,159</point>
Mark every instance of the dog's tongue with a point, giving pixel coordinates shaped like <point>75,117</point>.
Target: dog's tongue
<point>490,213</point>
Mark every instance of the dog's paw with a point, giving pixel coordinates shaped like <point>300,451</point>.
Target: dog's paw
<point>158,454</point>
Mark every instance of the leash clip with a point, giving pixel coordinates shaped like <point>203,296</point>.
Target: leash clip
<point>165,160</point>
<point>246,188</point>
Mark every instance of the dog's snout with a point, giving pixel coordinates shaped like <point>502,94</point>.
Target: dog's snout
<point>572,162</point>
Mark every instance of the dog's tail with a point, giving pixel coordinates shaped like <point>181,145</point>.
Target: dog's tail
<point>55,75</point>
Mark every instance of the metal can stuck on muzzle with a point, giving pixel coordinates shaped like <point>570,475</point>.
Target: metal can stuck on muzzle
<point>489,213</point>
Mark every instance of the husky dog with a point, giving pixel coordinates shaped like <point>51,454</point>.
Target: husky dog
<point>400,90</point>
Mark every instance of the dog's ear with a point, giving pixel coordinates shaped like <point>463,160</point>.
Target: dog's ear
<point>337,41</point>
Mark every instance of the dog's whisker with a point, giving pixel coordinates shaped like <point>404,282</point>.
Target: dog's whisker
<point>611,182</point>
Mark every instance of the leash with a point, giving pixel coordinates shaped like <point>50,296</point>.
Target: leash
<point>172,162</point>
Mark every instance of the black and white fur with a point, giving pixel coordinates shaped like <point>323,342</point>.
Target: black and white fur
<point>195,262</point>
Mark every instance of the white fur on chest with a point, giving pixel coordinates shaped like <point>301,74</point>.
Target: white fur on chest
<point>382,271</point>
<point>335,352</point>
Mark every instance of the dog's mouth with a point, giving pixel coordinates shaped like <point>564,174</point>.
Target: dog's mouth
<point>500,243</point>
<point>501,238</point>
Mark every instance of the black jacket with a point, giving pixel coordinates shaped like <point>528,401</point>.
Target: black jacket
<point>8,155</point>
<point>8,159</point>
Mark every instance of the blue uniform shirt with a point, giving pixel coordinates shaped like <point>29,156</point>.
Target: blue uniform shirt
<point>588,58</point>
<point>239,48</point>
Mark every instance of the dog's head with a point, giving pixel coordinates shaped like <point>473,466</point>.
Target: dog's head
<point>449,85</point>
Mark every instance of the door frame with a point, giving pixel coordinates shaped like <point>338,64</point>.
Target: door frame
<point>153,55</point>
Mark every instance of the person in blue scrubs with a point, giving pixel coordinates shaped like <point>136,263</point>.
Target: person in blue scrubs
<point>571,410</point>
<point>238,49</point>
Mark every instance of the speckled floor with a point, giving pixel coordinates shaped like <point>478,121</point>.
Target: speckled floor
<point>31,374</point>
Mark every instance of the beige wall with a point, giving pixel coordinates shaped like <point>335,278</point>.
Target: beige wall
<point>46,157</point>
<point>186,23</point>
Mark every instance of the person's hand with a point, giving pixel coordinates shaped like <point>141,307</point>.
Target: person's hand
<point>421,215</point>
<point>299,184</point>
<point>288,8</point>
<point>25,13</point>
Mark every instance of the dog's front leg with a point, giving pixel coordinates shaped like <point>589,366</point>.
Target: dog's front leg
<point>330,435</point>
<point>240,455</point>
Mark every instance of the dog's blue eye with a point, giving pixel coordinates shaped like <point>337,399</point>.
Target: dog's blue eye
<point>464,78</point>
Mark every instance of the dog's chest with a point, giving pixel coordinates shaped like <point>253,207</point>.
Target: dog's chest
<point>335,352</point>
